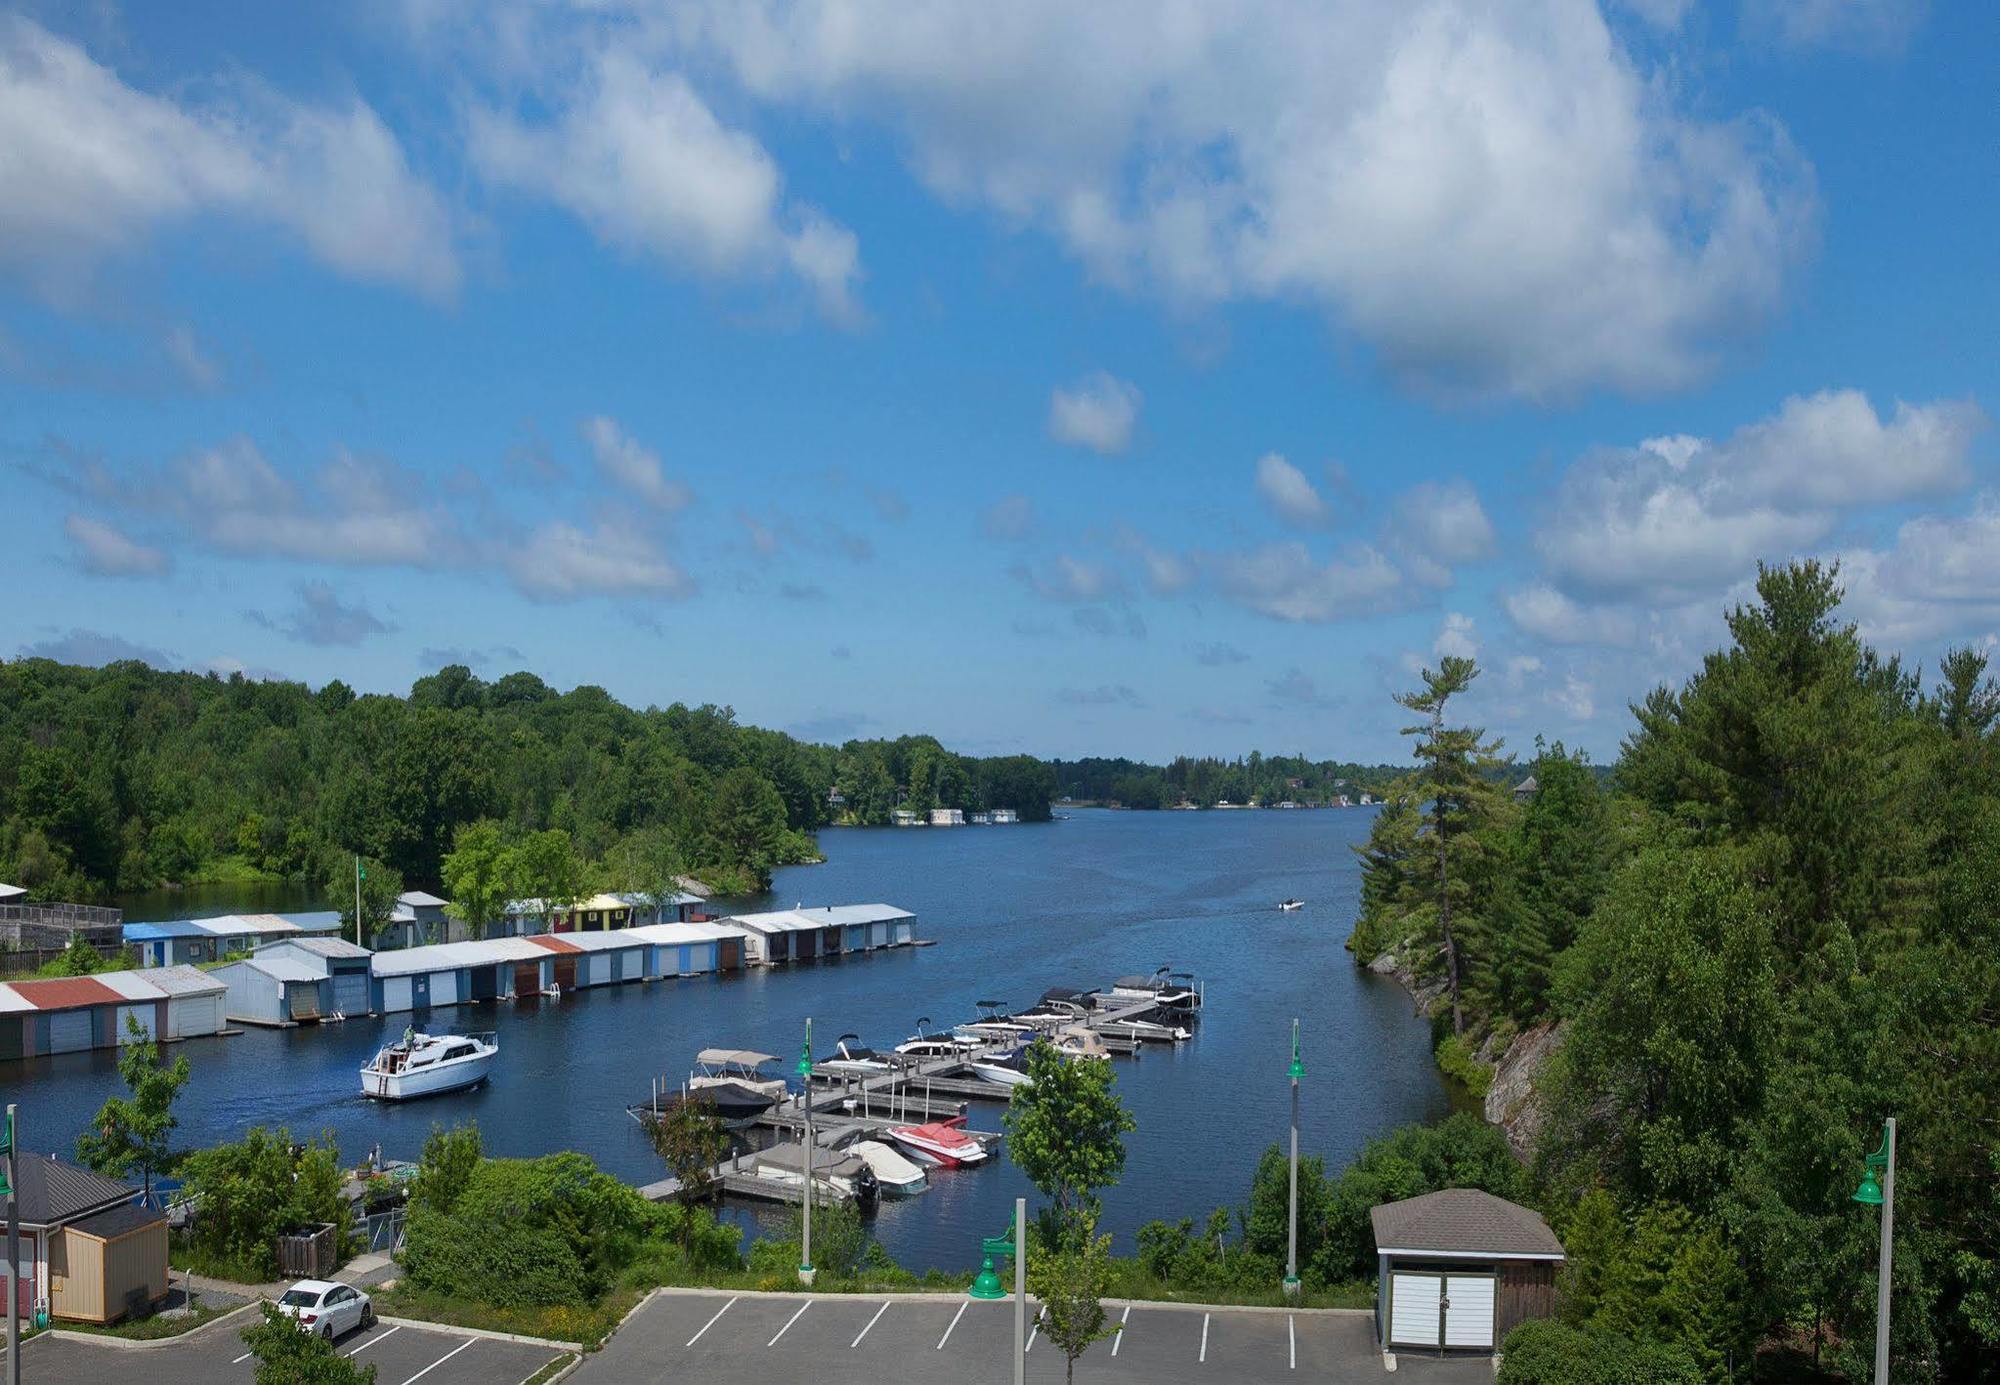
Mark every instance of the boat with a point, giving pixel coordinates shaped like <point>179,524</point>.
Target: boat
<point>924,1044</point>
<point>895,1176</point>
<point>1080,1041</point>
<point>1168,990</point>
<point>942,1143</point>
<point>851,1060</point>
<point>1059,1005</point>
<point>834,1171</point>
<point>733,1080</point>
<point>1151,1030</point>
<point>1289,905</point>
<point>427,1064</point>
<point>995,1025</point>
<point>1008,1069</point>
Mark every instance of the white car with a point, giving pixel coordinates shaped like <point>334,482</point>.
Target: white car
<point>327,1308</point>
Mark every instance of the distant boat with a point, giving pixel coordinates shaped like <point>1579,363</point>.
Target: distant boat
<point>894,1175</point>
<point>924,1044</point>
<point>1289,905</point>
<point>427,1064</point>
<point>942,1143</point>
<point>734,1081</point>
<point>855,1061</point>
<point>1002,1069</point>
<point>837,1171</point>
<point>1167,990</point>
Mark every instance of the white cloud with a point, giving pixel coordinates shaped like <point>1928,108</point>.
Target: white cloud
<point>195,364</point>
<point>636,153</point>
<point>1498,198</point>
<point>1863,25</point>
<point>1065,578</point>
<point>1098,412</point>
<point>96,649</point>
<point>1941,577</point>
<point>1297,688</point>
<point>633,468</point>
<point>1574,698</point>
<point>1443,523</point>
<point>93,166</point>
<point>110,553</point>
<point>1010,518</point>
<point>1540,610</point>
<point>1286,582</point>
<point>562,562</point>
<point>322,618</point>
<point>1285,489</point>
<point>1456,636</point>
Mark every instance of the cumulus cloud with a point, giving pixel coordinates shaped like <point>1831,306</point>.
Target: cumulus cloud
<point>1289,494</point>
<point>1065,578</point>
<point>1456,636</point>
<point>321,618</point>
<point>1010,518</point>
<point>1442,523</point>
<point>93,166</point>
<point>561,562</point>
<point>1285,581</point>
<point>633,468</point>
<point>636,153</point>
<point>95,649</point>
<point>1296,688</point>
<point>1940,577</point>
<point>1540,610</point>
<point>1859,25</point>
<point>1500,199</point>
<point>106,551</point>
<point>1097,412</point>
<point>1103,695</point>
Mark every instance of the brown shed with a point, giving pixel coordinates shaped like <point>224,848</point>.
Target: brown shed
<point>108,1265</point>
<point>1460,1269</point>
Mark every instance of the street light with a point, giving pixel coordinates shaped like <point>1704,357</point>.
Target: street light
<point>1881,1192</point>
<point>1297,1070</point>
<point>806,1198</point>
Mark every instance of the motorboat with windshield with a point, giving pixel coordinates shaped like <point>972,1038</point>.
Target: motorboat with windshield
<point>924,1044</point>
<point>1167,990</point>
<point>1009,1069</point>
<point>428,1064</point>
<point>895,1175</point>
<point>733,1080</point>
<point>942,1143</point>
<point>834,1171</point>
<point>851,1060</point>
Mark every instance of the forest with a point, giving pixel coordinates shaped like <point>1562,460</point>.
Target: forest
<point>1776,925</point>
<point>1204,782</point>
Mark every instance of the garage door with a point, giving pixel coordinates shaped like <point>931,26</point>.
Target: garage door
<point>1413,1310</point>
<point>444,988</point>
<point>395,994</point>
<point>195,1014</point>
<point>69,1031</point>
<point>350,993</point>
<point>1468,1316</point>
<point>146,1014</point>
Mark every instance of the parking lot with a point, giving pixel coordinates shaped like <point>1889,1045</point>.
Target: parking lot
<point>729,1338</point>
<point>215,1355</point>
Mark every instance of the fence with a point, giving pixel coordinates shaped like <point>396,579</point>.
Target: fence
<point>49,927</point>
<point>382,1232</point>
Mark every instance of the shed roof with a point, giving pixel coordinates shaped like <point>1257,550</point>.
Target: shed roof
<point>410,961</point>
<point>640,899</point>
<point>12,891</point>
<point>822,916</point>
<point>549,942</point>
<point>66,993</point>
<point>169,928</point>
<point>421,899</point>
<point>114,1222</point>
<point>283,968</point>
<point>674,934</point>
<point>52,1192</point>
<point>1463,1221</point>
<point>183,980</point>
<point>322,947</point>
<point>610,940</point>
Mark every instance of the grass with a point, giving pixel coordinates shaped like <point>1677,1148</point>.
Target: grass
<point>1128,1280</point>
<point>552,1370</point>
<point>233,869</point>
<point>588,1324</point>
<point>155,1328</point>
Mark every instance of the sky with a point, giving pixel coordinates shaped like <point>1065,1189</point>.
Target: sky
<point>1123,379</point>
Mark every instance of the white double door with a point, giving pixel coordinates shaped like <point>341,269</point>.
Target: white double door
<point>1453,1310</point>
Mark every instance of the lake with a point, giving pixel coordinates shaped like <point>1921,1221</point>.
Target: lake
<point>1013,910</point>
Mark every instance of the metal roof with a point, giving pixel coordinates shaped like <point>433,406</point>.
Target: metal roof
<point>639,899</point>
<point>674,934</point>
<point>410,961</point>
<point>114,1222</point>
<point>182,980</point>
<point>172,928</point>
<point>549,942</point>
<point>67,993</point>
<point>321,947</point>
<point>824,916</point>
<point>282,968</point>
<point>12,891</point>
<point>1463,1221</point>
<point>53,1192</point>
<point>609,940</point>
<point>420,899</point>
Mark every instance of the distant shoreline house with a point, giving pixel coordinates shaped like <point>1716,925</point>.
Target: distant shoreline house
<point>1526,789</point>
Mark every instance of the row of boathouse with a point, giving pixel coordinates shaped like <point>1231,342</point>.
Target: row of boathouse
<point>299,971</point>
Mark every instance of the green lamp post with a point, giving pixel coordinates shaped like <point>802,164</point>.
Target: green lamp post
<point>806,1194</point>
<point>1296,1071</point>
<point>1878,1189</point>
<point>987,1284</point>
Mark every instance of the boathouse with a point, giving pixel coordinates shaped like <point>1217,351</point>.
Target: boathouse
<point>672,908</point>
<point>691,949</point>
<point>595,958</point>
<point>276,990</point>
<point>1458,1270</point>
<point>798,935</point>
<point>421,978</point>
<point>71,1014</point>
<point>195,941</point>
<point>89,1252</point>
<point>345,968</point>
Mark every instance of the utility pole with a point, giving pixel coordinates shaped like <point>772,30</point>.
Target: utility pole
<point>1297,1070</point>
<point>357,901</point>
<point>1020,1291</point>
<point>806,1222</point>
<point>13,1257</point>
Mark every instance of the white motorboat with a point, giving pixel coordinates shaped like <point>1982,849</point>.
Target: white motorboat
<point>894,1175</point>
<point>924,1044</point>
<point>1004,1069</point>
<point>1291,905</point>
<point>851,1060</point>
<point>833,1170</point>
<point>1167,990</point>
<point>427,1064</point>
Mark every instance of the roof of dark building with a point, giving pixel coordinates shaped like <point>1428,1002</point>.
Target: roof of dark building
<point>114,1222</point>
<point>1463,1221</point>
<point>51,1191</point>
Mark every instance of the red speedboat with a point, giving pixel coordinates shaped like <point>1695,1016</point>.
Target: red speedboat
<point>941,1142</point>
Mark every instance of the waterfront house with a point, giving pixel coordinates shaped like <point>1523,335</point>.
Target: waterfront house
<point>597,914</point>
<point>906,817</point>
<point>947,817</point>
<point>1458,1270</point>
<point>90,1253</point>
<point>71,1014</point>
<point>979,817</point>
<point>1003,816</point>
<point>343,966</point>
<point>670,908</point>
<point>691,949</point>
<point>275,990</point>
<point>1525,790</point>
<point>416,918</point>
<point>195,941</point>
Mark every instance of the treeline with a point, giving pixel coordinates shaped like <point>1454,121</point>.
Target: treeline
<point>1778,924</point>
<point>125,777</point>
<point>1207,781</point>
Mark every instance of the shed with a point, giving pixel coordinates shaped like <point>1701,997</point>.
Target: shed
<point>420,978</point>
<point>345,967</point>
<point>276,990</point>
<point>1458,1270</point>
<point>90,1252</point>
<point>690,949</point>
<point>71,1014</point>
<point>195,1000</point>
<point>171,942</point>
<point>594,959</point>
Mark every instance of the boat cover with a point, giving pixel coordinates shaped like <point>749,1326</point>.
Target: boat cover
<point>746,1057</point>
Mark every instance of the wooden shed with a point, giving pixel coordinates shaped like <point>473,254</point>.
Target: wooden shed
<point>1460,1269</point>
<point>108,1266</point>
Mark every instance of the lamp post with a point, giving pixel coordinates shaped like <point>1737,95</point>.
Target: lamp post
<point>1297,1070</point>
<point>1881,1192</point>
<point>12,1189</point>
<point>806,1223</point>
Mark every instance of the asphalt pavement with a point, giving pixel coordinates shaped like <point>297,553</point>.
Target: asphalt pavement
<point>752,1339</point>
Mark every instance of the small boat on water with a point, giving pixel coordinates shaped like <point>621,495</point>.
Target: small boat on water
<point>924,1044</point>
<point>995,1025</point>
<point>734,1081</point>
<point>833,1170</point>
<point>1008,1069</point>
<point>942,1143</point>
<point>1289,905</point>
<point>1079,1041</point>
<point>427,1064</point>
<point>852,1060</point>
<point>895,1176</point>
<point>1168,990</point>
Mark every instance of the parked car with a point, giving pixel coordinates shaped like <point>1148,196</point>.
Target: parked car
<point>327,1308</point>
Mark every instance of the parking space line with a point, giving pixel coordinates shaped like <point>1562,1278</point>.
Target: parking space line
<point>1292,1338</point>
<point>440,1361</point>
<point>789,1321</point>
<point>711,1322</point>
<point>377,1338</point>
<point>871,1322</point>
<point>954,1323</point>
<point>1200,1358</point>
<point>244,1357</point>
<point>1033,1333</point>
<point>1118,1337</point>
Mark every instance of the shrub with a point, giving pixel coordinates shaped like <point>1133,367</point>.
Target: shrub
<point>249,1193</point>
<point>1461,1152</point>
<point>1455,1058</point>
<point>1551,1353</point>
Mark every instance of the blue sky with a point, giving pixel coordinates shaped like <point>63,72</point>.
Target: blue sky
<point>1124,379</point>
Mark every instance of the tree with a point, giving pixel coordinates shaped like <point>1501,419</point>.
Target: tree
<point>1561,864</point>
<point>1461,795</point>
<point>546,867</point>
<point>78,958</point>
<point>288,1354</point>
<point>690,1138</point>
<point>249,1192</point>
<point>1066,1131</point>
<point>647,859</point>
<point>478,876</point>
<point>450,1159</point>
<point>380,886</point>
<point>746,818</point>
<point>129,1137</point>
<point>1070,1281</point>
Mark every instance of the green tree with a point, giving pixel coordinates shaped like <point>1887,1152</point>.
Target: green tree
<point>250,1191</point>
<point>78,958</point>
<point>478,876</point>
<point>1070,1281</point>
<point>1462,798</point>
<point>689,1137</point>
<point>288,1354</point>
<point>445,1169</point>
<point>1066,1129</point>
<point>129,1137</point>
<point>746,820</point>
<point>380,886</point>
<point>545,866</point>
<point>1561,864</point>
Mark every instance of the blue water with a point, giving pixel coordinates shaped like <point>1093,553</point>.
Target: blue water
<point>1014,910</point>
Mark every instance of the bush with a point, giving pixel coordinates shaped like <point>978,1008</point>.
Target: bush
<point>1461,1152</point>
<point>1550,1353</point>
<point>1455,1058</point>
<point>249,1193</point>
<point>287,1354</point>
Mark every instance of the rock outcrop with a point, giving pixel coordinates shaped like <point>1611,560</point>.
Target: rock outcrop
<point>1511,1099</point>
